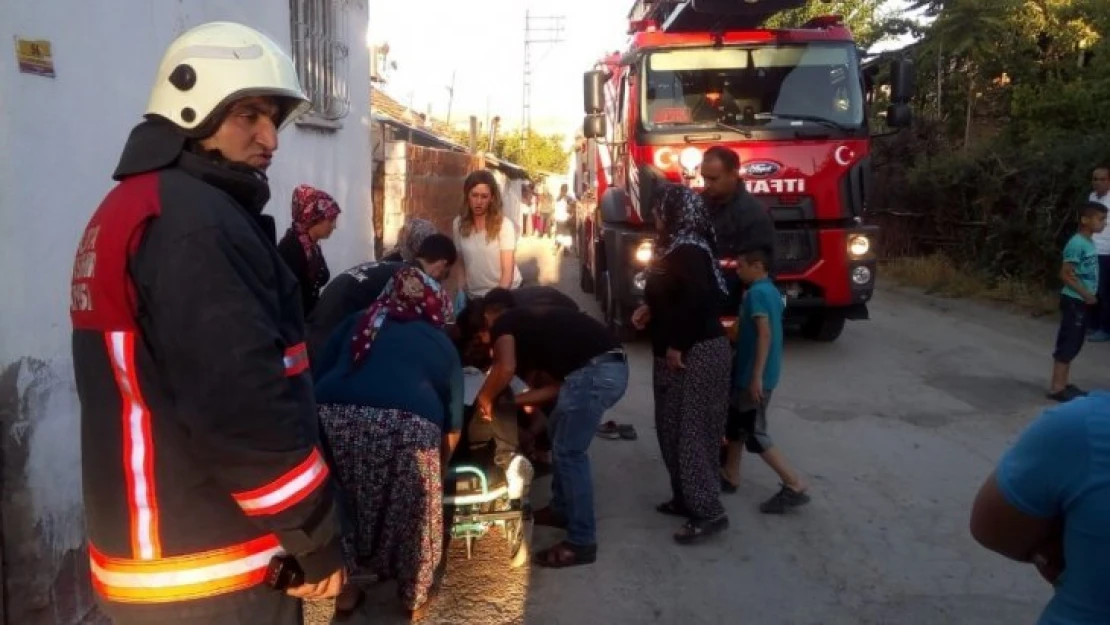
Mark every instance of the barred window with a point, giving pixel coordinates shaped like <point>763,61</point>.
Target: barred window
<point>320,51</point>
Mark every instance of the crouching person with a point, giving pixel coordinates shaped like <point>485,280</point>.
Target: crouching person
<point>589,373</point>
<point>390,391</point>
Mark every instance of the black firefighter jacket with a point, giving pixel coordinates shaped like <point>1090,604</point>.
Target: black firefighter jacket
<point>200,450</point>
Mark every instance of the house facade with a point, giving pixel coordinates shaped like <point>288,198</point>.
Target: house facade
<point>74,79</point>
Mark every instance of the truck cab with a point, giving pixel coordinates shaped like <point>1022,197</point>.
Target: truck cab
<point>791,103</point>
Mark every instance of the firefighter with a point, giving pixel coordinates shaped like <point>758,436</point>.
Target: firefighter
<point>202,473</point>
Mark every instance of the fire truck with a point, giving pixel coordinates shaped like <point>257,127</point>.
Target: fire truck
<point>793,104</point>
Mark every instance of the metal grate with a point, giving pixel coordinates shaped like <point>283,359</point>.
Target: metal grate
<point>795,250</point>
<point>320,51</point>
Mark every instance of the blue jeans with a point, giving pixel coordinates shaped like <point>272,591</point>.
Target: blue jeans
<point>585,396</point>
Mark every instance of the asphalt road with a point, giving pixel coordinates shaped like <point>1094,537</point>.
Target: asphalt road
<point>895,425</point>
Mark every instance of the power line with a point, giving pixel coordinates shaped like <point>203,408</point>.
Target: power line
<point>538,29</point>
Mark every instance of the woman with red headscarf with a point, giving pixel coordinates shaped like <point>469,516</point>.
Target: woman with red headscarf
<point>314,216</point>
<point>390,398</point>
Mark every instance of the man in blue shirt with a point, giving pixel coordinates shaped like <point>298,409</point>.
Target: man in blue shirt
<point>1079,273</point>
<point>1048,503</point>
<point>756,371</point>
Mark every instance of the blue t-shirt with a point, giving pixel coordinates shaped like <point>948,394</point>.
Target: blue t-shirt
<point>762,299</point>
<point>1081,253</point>
<point>412,366</point>
<point>1061,466</point>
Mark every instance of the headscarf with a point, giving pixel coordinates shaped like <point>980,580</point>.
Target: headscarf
<point>310,207</point>
<point>686,222</point>
<point>416,230</point>
<point>410,294</point>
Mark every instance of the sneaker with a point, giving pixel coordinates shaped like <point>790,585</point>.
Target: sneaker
<point>519,476</point>
<point>1098,336</point>
<point>786,499</point>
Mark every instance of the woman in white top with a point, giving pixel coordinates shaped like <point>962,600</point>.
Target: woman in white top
<point>486,239</point>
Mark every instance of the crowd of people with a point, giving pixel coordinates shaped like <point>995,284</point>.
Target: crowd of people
<point>256,433</point>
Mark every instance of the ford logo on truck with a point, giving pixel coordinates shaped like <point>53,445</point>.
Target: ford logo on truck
<point>760,169</point>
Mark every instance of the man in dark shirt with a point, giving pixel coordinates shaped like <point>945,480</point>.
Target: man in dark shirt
<point>358,287</point>
<point>531,297</point>
<point>586,371</point>
<point>741,222</point>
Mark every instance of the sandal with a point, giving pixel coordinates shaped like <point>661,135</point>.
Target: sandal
<point>1067,394</point>
<point>697,530</point>
<point>609,430</point>
<point>728,487</point>
<point>672,508</point>
<point>627,432</point>
<point>563,555</point>
<point>344,614</point>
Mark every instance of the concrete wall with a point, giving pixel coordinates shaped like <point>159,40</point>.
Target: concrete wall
<point>60,139</point>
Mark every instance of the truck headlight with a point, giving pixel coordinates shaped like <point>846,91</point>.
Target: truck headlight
<point>643,253</point>
<point>861,275</point>
<point>690,158</point>
<point>859,245</point>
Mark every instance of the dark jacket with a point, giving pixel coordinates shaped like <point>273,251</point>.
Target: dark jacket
<point>741,223</point>
<point>684,299</point>
<point>200,452</point>
<point>351,291</point>
<point>293,254</point>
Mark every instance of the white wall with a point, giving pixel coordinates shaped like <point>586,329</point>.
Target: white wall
<point>61,138</point>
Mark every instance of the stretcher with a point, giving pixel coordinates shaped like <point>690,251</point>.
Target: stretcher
<point>478,496</point>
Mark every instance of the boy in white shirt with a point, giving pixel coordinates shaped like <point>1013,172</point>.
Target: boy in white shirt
<point>1100,319</point>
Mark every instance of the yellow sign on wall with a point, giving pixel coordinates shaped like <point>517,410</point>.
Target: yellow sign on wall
<point>35,57</point>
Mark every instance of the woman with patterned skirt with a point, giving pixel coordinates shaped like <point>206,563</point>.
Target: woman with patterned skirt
<point>390,402</point>
<point>691,359</point>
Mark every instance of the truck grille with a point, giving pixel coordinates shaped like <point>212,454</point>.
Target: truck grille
<point>795,250</point>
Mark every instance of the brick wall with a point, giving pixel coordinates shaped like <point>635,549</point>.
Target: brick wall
<point>434,183</point>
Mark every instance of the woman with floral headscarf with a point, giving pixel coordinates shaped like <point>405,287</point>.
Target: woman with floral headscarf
<point>692,358</point>
<point>314,217</point>
<point>390,398</point>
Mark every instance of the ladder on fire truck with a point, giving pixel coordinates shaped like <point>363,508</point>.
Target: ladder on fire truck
<point>708,15</point>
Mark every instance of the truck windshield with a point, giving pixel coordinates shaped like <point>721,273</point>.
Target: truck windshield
<point>768,87</point>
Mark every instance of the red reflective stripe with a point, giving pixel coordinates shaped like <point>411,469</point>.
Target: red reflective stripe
<point>138,448</point>
<point>296,360</point>
<point>181,578</point>
<point>287,490</point>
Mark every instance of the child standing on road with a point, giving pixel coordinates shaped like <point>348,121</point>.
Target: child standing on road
<point>1079,273</point>
<point>756,370</point>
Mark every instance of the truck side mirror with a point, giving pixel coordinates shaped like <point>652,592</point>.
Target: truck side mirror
<point>902,77</point>
<point>899,116</point>
<point>593,92</point>
<point>594,127</point>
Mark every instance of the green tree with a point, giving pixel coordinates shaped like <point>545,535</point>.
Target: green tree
<point>539,153</point>
<point>869,20</point>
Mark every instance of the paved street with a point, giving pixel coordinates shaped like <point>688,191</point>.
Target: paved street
<point>896,425</point>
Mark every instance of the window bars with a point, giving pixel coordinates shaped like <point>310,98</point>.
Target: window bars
<point>320,51</point>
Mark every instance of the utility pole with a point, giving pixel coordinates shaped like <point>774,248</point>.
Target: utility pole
<point>450,97</point>
<point>545,29</point>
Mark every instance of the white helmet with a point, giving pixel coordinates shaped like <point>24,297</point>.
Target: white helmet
<point>214,64</point>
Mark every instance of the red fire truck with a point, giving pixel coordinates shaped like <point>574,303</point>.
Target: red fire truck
<point>792,103</point>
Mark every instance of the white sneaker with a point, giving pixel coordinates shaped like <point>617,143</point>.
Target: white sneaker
<point>518,477</point>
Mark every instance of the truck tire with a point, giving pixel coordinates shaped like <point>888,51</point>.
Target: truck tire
<point>585,276</point>
<point>616,319</point>
<point>823,327</point>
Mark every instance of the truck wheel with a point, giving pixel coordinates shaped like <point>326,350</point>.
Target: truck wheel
<point>617,319</point>
<point>585,277</point>
<point>824,328</point>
